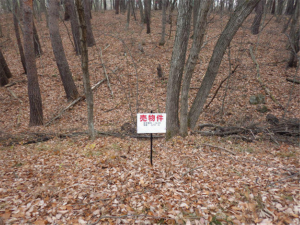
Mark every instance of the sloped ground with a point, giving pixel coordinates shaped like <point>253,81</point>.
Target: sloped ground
<point>193,180</point>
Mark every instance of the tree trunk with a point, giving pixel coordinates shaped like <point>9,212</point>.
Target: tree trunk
<point>35,100</point>
<point>201,24</point>
<point>195,13</point>
<point>16,25</point>
<point>104,4</point>
<point>141,11</point>
<point>4,71</point>
<point>259,10</point>
<point>67,15</point>
<point>290,7</point>
<point>128,13</point>
<point>85,69</point>
<point>87,11</point>
<point>164,17</point>
<point>117,6</point>
<point>58,50</point>
<point>74,25</point>
<point>294,37</point>
<point>147,4</point>
<point>37,45</point>
<point>235,21</point>
<point>177,66</point>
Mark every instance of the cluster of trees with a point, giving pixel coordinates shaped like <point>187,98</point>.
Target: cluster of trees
<point>192,18</point>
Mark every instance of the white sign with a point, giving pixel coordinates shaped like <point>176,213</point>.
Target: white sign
<point>151,123</point>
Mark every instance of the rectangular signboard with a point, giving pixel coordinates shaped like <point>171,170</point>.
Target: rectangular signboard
<point>151,123</point>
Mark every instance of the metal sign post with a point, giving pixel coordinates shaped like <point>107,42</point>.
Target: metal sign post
<point>151,123</point>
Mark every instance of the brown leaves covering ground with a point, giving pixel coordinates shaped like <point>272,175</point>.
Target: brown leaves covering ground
<point>75,181</point>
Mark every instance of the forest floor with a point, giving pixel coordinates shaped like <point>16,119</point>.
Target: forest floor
<point>195,180</point>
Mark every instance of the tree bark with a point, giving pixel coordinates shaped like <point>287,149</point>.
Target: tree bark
<point>74,25</point>
<point>4,71</point>
<point>16,25</point>
<point>37,45</point>
<point>294,37</point>
<point>164,18</point>
<point>117,6</point>
<point>35,100</point>
<point>290,8</point>
<point>128,13</point>
<point>235,21</point>
<point>85,69</point>
<point>177,66</point>
<point>200,28</point>
<point>90,36</point>
<point>141,12</point>
<point>147,4</point>
<point>259,10</point>
<point>58,50</point>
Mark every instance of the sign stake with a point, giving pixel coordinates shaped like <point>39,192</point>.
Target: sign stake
<point>151,141</point>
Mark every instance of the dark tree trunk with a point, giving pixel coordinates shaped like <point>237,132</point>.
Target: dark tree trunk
<point>104,3</point>
<point>141,11</point>
<point>58,50</point>
<point>122,6</point>
<point>4,71</point>
<point>37,45</point>
<point>67,10</point>
<point>230,6</point>
<point>117,6</point>
<point>294,37</point>
<point>85,69</point>
<point>195,12</point>
<point>235,21</point>
<point>90,36</point>
<point>164,18</point>
<point>259,10</point>
<point>35,100</point>
<point>290,7</point>
<point>273,9</point>
<point>147,4</point>
<point>177,66</point>
<point>128,13</point>
<point>74,25</point>
<point>16,25</point>
<point>280,7</point>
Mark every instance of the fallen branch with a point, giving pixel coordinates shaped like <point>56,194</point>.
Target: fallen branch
<point>224,149</point>
<point>268,92</point>
<point>191,170</point>
<point>104,69</point>
<point>297,81</point>
<point>73,103</point>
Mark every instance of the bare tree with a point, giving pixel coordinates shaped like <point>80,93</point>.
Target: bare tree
<point>58,50</point>
<point>177,66</point>
<point>85,68</point>
<point>163,22</point>
<point>147,4</point>
<point>87,11</point>
<point>16,26</point>
<point>200,28</point>
<point>5,73</point>
<point>141,11</point>
<point>294,37</point>
<point>117,6</point>
<point>259,10</point>
<point>235,21</point>
<point>34,94</point>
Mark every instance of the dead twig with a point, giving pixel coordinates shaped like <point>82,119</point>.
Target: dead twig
<point>268,92</point>
<point>73,103</point>
<point>221,148</point>
<point>104,69</point>
<point>191,170</point>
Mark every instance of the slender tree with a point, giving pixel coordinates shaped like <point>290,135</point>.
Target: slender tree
<point>294,37</point>
<point>85,68</point>
<point>163,22</point>
<point>177,66</point>
<point>147,4</point>
<point>37,44</point>
<point>235,21</point>
<point>141,11</point>
<point>117,6</point>
<point>87,16</point>
<point>199,31</point>
<point>16,26</point>
<point>74,25</point>
<point>259,10</point>
<point>58,50</point>
<point>35,100</point>
<point>5,73</point>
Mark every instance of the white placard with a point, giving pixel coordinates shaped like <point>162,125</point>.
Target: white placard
<point>151,123</point>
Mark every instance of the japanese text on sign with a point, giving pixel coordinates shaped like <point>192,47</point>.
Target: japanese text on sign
<point>151,123</point>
